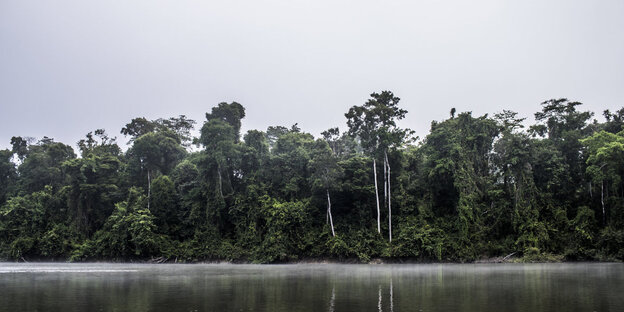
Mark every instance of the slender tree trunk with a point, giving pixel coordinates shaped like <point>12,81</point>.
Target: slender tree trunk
<point>515,198</point>
<point>590,190</point>
<point>149,189</point>
<point>385,181</point>
<point>327,217</point>
<point>377,196</point>
<point>86,216</point>
<point>389,199</point>
<point>602,202</point>
<point>220,181</point>
<point>331,221</point>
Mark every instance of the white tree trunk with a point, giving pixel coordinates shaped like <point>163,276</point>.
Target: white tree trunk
<point>604,218</point>
<point>149,189</point>
<point>389,199</point>
<point>385,181</point>
<point>377,196</point>
<point>220,182</point>
<point>331,221</point>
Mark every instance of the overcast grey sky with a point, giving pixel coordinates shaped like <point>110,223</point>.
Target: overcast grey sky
<point>69,67</point>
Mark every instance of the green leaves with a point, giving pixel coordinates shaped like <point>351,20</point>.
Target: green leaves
<point>128,232</point>
<point>475,187</point>
<point>374,123</point>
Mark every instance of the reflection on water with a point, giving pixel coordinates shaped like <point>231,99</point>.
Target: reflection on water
<point>332,300</point>
<point>311,287</point>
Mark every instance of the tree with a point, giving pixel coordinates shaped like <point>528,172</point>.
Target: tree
<point>564,126</point>
<point>155,152</point>
<point>343,146</point>
<point>106,145</point>
<point>22,222</point>
<point>615,121</point>
<point>180,126</point>
<point>457,174</point>
<point>474,187</point>
<point>20,146</point>
<point>92,190</point>
<point>231,113</point>
<point>41,165</point>
<point>7,174</point>
<point>220,158</point>
<point>128,232</point>
<point>165,205</point>
<point>325,173</point>
<point>288,168</point>
<point>512,158</point>
<point>605,162</point>
<point>374,123</point>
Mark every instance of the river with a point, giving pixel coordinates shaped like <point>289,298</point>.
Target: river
<point>311,287</point>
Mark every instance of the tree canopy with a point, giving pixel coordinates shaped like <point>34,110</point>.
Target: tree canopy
<point>474,187</point>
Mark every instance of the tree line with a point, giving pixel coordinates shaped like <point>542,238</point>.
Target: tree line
<point>473,188</point>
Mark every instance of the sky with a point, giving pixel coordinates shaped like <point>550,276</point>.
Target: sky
<point>70,67</point>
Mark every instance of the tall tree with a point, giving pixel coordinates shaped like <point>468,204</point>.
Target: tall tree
<point>93,181</point>
<point>220,136</point>
<point>615,121</point>
<point>155,153</point>
<point>7,173</point>
<point>458,167</point>
<point>563,126</point>
<point>181,126</point>
<point>374,123</point>
<point>231,113</point>
<point>41,164</point>
<point>325,173</point>
<point>605,163</point>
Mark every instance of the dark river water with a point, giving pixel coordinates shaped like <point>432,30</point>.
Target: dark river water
<point>311,287</point>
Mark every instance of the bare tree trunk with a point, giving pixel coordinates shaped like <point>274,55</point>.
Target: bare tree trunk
<point>385,181</point>
<point>377,196</point>
<point>389,199</point>
<point>331,221</point>
<point>149,189</point>
<point>515,199</point>
<point>327,217</point>
<point>590,190</point>
<point>220,182</point>
<point>602,202</point>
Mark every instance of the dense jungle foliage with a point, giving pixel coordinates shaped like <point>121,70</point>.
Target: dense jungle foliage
<point>473,188</point>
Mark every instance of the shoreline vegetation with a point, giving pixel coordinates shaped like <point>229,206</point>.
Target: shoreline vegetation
<point>475,189</point>
<point>493,260</point>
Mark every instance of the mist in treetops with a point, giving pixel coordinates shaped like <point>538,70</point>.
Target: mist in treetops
<point>474,187</point>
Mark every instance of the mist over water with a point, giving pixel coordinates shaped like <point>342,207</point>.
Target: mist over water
<point>311,287</point>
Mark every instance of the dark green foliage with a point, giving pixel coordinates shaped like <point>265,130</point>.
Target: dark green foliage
<point>164,205</point>
<point>7,174</point>
<point>473,188</point>
<point>180,126</point>
<point>41,165</point>
<point>418,239</point>
<point>127,233</point>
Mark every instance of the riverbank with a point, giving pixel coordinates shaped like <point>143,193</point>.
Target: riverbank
<point>510,258</point>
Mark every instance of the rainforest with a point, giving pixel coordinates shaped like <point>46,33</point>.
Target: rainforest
<point>474,188</point>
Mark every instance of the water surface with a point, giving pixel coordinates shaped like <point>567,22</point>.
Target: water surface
<point>311,287</point>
